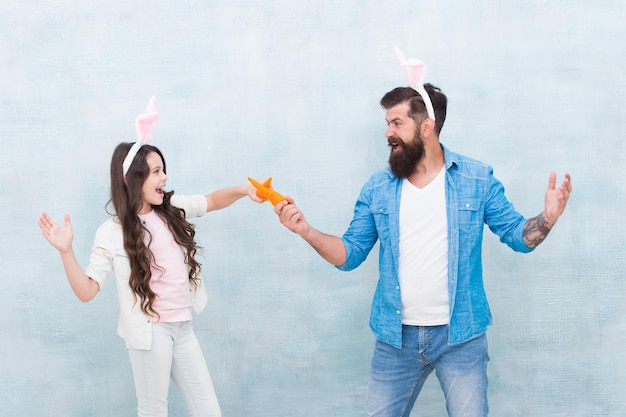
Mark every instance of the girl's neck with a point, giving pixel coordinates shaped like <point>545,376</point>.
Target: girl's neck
<point>145,209</point>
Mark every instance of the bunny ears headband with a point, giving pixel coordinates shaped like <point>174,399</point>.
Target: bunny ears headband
<point>144,124</point>
<point>415,70</point>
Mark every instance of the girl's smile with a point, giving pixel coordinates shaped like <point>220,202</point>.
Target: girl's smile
<point>153,186</point>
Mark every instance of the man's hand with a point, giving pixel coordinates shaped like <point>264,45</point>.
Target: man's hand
<point>556,198</point>
<point>536,229</point>
<point>291,217</point>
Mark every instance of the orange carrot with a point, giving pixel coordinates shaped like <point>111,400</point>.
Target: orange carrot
<point>265,190</point>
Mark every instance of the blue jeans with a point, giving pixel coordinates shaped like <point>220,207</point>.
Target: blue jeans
<point>398,375</point>
<point>175,354</point>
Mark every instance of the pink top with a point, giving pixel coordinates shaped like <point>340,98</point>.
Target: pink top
<point>170,275</point>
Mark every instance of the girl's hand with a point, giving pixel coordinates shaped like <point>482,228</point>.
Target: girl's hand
<point>253,195</point>
<point>59,237</point>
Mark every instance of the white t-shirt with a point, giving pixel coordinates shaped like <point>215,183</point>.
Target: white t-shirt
<point>423,262</point>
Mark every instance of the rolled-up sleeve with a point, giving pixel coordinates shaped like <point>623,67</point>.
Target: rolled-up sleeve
<point>361,235</point>
<point>194,205</point>
<point>502,218</point>
<point>101,258</point>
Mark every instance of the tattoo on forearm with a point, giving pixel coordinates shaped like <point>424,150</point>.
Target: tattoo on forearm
<point>535,231</point>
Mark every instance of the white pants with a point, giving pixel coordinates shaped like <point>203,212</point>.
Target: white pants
<point>175,354</point>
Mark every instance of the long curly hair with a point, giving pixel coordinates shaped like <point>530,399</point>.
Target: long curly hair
<point>127,200</point>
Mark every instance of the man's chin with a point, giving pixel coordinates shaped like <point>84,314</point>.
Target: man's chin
<point>401,168</point>
<point>399,172</point>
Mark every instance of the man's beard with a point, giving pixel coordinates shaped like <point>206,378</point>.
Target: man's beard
<point>404,162</point>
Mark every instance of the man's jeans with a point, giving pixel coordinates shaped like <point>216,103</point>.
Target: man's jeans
<point>398,375</point>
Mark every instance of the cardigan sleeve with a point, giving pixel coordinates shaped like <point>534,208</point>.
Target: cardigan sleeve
<point>194,205</point>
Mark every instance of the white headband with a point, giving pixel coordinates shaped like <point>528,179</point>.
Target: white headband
<point>144,124</point>
<point>415,70</point>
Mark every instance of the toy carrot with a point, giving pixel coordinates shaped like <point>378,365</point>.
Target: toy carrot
<point>265,190</point>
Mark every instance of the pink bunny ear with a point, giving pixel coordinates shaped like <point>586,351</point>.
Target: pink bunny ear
<point>145,122</point>
<point>399,55</point>
<point>144,125</point>
<point>415,70</point>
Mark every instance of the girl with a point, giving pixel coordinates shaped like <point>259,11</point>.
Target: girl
<point>150,246</point>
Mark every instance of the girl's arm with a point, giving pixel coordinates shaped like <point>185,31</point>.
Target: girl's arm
<point>61,238</point>
<point>226,196</point>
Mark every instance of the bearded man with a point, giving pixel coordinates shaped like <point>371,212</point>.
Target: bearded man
<point>427,209</point>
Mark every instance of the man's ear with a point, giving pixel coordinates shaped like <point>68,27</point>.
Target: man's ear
<point>427,127</point>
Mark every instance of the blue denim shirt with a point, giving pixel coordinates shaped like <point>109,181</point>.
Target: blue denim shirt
<point>473,197</point>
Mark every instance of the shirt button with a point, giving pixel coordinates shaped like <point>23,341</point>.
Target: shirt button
<point>467,205</point>
<point>397,311</point>
<point>397,287</point>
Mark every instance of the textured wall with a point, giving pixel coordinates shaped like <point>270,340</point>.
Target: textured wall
<point>290,89</point>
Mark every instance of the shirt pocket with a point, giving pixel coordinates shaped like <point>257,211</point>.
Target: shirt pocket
<point>121,265</point>
<point>381,220</point>
<point>469,214</point>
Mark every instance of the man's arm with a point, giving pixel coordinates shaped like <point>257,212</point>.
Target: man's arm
<point>330,247</point>
<point>536,229</point>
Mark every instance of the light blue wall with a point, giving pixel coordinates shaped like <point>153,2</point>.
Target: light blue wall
<point>289,89</point>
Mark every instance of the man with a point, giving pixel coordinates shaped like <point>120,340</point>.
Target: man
<point>428,208</point>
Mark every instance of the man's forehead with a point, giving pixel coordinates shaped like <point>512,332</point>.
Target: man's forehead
<point>399,111</point>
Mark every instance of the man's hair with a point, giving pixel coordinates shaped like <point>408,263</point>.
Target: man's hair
<point>417,109</point>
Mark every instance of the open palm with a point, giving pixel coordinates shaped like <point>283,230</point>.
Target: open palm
<point>59,237</point>
<point>556,198</point>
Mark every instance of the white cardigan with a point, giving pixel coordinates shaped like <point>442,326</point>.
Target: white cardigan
<point>108,255</point>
